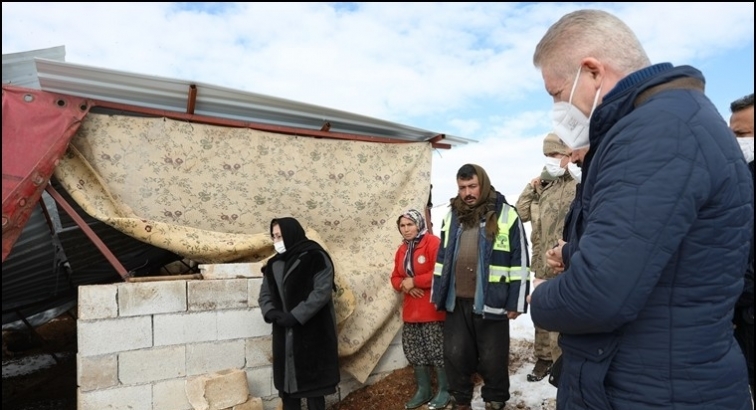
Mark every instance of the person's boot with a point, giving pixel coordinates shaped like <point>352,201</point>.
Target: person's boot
<point>457,406</point>
<point>316,403</point>
<point>290,403</point>
<point>442,398</point>
<point>423,393</point>
<point>495,405</point>
<point>541,369</point>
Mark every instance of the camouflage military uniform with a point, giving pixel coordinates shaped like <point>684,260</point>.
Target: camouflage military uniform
<point>529,210</point>
<point>554,203</point>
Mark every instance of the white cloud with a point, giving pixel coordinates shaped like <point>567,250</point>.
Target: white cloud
<point>686,32</point>
<point>449,66</point>
<point>394,61</point>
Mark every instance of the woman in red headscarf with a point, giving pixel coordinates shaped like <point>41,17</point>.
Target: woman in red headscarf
<point>422,333</point>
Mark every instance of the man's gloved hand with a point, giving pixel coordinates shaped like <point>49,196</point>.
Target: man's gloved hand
<point>287,320</point>
<point>273,315</point>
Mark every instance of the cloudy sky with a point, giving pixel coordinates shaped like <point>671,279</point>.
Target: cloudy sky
<point>457,68</point>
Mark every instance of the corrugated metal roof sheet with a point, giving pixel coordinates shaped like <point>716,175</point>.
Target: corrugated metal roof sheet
<point>20,69</point>
<point>215,101</point>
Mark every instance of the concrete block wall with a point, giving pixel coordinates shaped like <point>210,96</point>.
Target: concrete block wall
<point>139,342</point>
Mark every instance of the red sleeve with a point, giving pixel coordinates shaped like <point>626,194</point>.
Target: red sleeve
<point>424,272</point>
<point>398,274</point>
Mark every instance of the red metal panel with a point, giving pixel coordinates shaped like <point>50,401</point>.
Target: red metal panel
<point>37,127</point>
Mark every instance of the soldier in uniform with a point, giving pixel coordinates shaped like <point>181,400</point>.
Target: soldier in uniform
<point>528,209</point>
<point>554,202</point>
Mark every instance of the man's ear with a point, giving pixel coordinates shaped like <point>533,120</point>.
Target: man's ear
<point>595,67</point>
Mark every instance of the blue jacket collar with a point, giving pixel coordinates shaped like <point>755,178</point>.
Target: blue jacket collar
<point>620,101</point>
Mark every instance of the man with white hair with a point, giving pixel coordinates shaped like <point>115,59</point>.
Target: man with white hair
<point>659,238</point>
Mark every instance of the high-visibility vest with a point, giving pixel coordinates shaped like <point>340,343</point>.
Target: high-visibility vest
<point>498,271</point>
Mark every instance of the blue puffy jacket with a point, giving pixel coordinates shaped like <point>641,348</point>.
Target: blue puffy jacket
<point>658,252</point>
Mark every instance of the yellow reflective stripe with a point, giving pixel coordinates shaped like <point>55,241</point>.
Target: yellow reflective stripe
<point>437,269</point>
<point>445,228</point>
<point>497,273</point>
<point>506,220</point>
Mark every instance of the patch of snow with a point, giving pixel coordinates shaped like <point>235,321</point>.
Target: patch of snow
<point>30,364</point>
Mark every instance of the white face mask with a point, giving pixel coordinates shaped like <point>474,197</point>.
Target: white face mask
<point>280,247</point>
<point>746,145</point>
<point>569,123</point>
<point>575,171</point>
<point>554,167</point>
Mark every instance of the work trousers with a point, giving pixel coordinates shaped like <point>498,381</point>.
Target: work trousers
<point>473,344</point>
<point>313,403</point>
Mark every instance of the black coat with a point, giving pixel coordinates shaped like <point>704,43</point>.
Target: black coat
<point>305,356</point>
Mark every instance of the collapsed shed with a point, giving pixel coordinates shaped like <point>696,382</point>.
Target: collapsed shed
<point>154,170</point>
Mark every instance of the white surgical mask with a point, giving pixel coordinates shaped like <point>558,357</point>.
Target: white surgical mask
<point>746,145</point>
<point>569,123</point>
<point>280,247</point>
<point>553,167</point>
<point>575,171</point>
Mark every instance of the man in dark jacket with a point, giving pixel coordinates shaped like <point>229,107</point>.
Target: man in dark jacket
<point>480,279</point>
<point>741,123</point>
<point>660,243</point>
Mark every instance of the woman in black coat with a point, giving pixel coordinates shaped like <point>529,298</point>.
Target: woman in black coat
<point>296,297</point>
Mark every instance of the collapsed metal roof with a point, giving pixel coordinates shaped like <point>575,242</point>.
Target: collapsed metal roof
<point>19,68</point>
<point>214,101</point>
<point>61,255</point>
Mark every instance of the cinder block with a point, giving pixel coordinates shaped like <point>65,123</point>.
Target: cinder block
<point>183,328</point>
<point>392,359</point>
<point>253,403</point>
<point>260,381</point>
<point>259,352</point>
<point>96,372</point>
<point>150,365</point>
<point>237,324</point>
<point>217,294</point>
<point>217,391</point>
<point>204,358</point>
<point>397,340</point>
<point>349,384</point>
<point>231,270</point>
<point>97,302</point>
<point>253,286</point>
<point>170,395</point>
<point>118,398</point>
<point>147,298</point>
<point>100,337</point>
<point>272,403</point>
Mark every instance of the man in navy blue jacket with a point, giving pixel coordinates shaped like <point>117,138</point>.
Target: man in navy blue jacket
<point>659,235</point>
<point>741,123</point>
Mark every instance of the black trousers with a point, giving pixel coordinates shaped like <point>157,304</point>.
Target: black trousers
<point>472,344</point>
<point>313,403</point>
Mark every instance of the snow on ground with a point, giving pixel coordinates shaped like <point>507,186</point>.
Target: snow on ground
<point>30,364</point>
